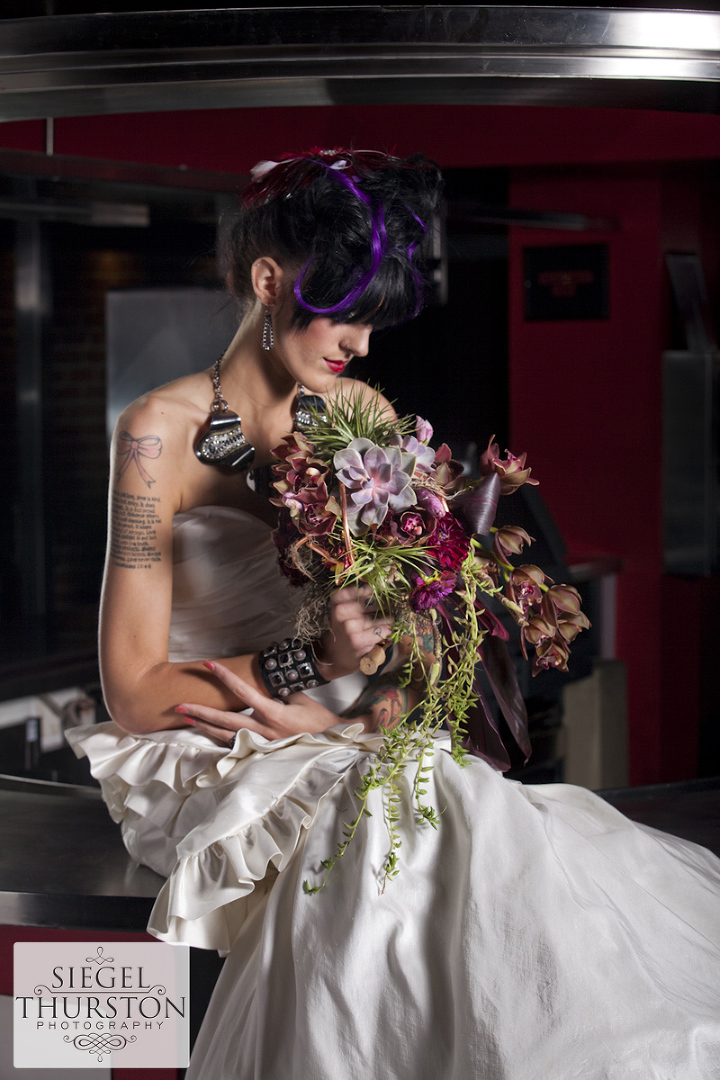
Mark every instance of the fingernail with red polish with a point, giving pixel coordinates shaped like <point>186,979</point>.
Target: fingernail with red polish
<point>209,665</point>
<point>181,709</point>
<point>189,720</point>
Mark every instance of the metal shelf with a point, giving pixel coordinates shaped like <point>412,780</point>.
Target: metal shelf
<point>248,57</point>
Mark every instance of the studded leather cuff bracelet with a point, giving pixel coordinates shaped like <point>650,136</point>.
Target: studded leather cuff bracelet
<point>289,666</point>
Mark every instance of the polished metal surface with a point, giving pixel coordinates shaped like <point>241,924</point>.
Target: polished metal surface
<point>128,215</point>
<point>113,176</point>
<point>63,863</point>
<point>243,57</point>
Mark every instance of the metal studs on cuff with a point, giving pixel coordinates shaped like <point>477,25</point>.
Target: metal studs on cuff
<point>288,667</point>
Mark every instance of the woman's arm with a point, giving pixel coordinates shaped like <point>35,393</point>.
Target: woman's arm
<point>387,699</point>
<point>141,686</point>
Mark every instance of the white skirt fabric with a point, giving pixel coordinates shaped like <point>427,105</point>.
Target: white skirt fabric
<point>536,934</point>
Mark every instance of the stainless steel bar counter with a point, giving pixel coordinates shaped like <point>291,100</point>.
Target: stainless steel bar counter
<point>63,864</point>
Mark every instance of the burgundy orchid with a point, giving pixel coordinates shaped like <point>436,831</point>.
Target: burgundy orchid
<point>407,529</point>
<point>298,467</point>
<point>312,510</point>
<point>550,654</point>
<point>510,540</point>
<point>512,470</point>
<point>445,470</point>
<point>524,586</point>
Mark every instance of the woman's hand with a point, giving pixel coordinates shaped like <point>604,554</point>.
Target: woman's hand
<point>269,717</point>
<point>354,629</point>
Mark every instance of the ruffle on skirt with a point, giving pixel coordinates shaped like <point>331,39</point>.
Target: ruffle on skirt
<point>216,821</point>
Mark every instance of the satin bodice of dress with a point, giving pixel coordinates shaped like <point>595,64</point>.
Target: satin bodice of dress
<point>229,596</point>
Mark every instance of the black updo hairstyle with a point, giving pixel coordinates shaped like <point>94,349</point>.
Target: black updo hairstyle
<point>348,223</point>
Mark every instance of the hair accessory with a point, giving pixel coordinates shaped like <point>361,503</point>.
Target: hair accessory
<point>268,337</point>
<point>223,443</point>
<point>288,667</point>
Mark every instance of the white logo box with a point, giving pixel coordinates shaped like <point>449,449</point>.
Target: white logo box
<point>114,1004</point>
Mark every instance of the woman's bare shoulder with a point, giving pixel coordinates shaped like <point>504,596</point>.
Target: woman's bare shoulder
<point>172,408</point>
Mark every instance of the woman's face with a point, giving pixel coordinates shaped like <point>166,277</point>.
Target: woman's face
<point>316,356</point>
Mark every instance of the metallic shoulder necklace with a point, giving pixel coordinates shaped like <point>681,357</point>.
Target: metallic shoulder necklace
<point>224,444</point>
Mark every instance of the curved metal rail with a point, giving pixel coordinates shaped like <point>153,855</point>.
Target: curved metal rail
<point>230,58</point>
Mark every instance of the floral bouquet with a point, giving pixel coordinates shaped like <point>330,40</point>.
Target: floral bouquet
<point>366,500</point>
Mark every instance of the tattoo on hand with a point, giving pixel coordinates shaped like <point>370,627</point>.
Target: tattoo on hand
<point>386,701</point>
<point>132,449</point>
<point>426,636</point>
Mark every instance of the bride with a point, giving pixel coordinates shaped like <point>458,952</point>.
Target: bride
<point>536,933</point>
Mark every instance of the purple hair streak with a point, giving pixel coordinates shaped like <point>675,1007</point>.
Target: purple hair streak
<point>378,250</point>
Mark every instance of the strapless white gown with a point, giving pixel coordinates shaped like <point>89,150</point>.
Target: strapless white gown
<point>536,935</point>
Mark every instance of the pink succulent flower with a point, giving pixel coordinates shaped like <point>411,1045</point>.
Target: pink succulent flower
<point>377,480</point>
<point>424,455</point>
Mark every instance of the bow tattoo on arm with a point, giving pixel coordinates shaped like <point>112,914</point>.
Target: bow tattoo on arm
<point>132,449</point>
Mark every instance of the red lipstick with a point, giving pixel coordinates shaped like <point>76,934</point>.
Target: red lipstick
<point>336,366</point>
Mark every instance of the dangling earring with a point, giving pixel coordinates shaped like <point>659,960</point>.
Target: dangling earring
<point>268,338</point>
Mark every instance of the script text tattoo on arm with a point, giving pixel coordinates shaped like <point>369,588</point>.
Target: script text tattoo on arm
<point>133,542</point>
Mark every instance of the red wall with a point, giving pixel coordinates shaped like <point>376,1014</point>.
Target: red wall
<point>23,135</point>
<point>586,399</point>
<point>458,136</point>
